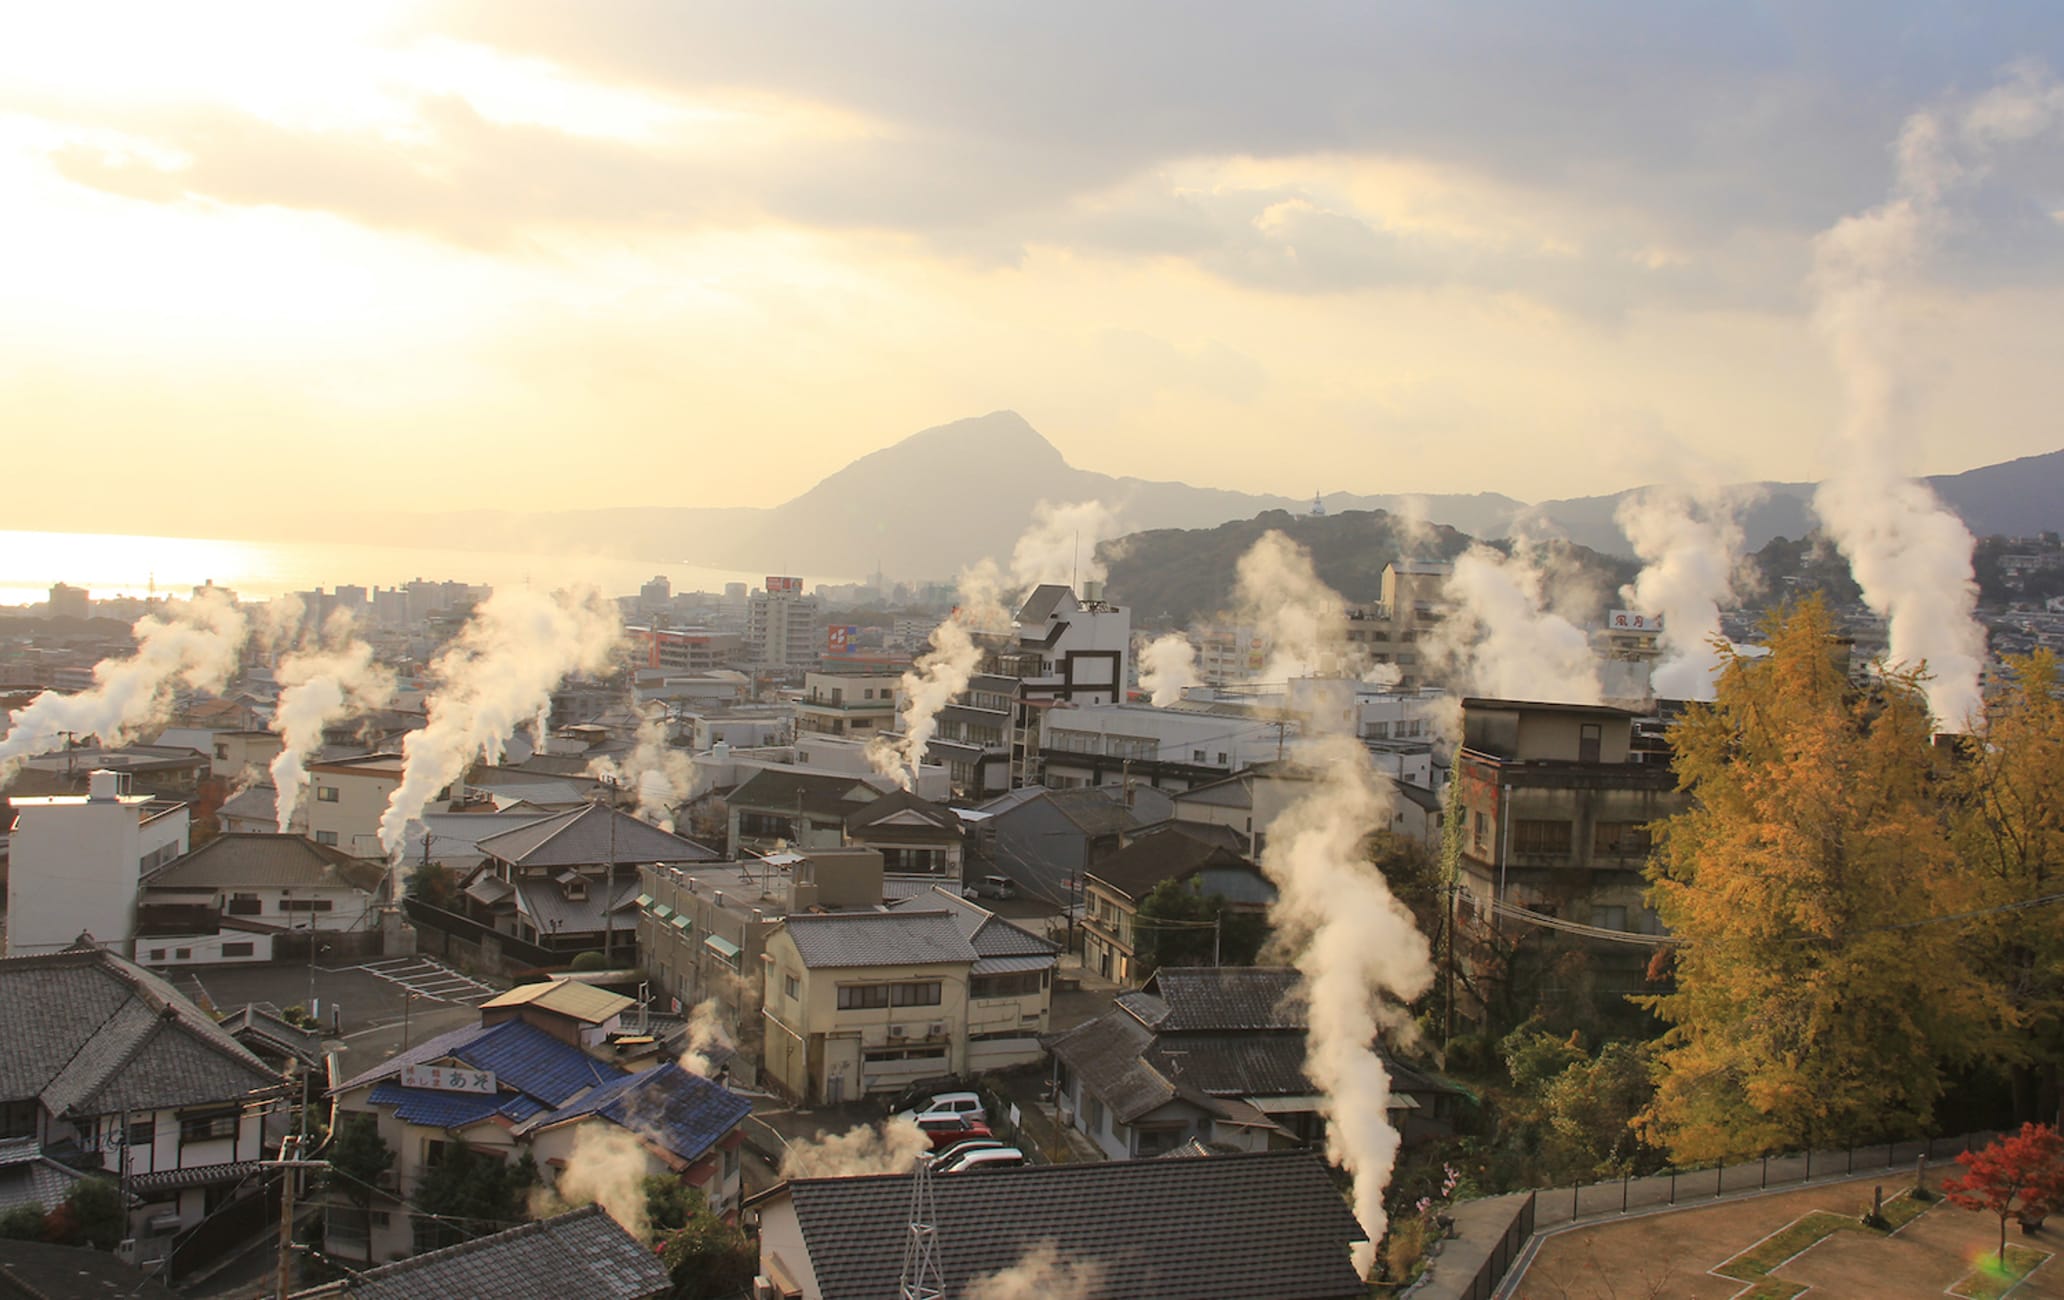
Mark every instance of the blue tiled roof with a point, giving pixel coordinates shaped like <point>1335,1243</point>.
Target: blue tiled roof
<point>682,1112</point>
<point>438,1109</point>
<point>522,1056</point>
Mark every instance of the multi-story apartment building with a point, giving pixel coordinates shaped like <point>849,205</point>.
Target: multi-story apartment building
<point>854,702</point>
<point>684,649</point>
<point>346,797</point>
<point>783,627</point>
<point>1390,629</point>
<point>75,862</point>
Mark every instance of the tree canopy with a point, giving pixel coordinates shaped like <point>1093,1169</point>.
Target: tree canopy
<point>1808,1008</point>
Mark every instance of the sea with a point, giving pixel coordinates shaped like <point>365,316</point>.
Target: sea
<point>121,564</point>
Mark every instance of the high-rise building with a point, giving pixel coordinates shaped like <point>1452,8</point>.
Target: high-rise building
<point>782,627</point>
<point>68,602</point>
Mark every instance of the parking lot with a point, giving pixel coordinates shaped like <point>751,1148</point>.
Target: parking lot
<point>426,977</point>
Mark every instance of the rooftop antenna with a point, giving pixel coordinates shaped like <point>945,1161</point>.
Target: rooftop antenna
<point>1076,572</point>
<point>922,1278</point>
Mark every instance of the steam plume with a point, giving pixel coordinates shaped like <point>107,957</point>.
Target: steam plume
<point>497,675</point>
<point>660,776</point>
<point>1690,548</point>
<point>1362,959</point>
<point>1040,1274</point>
<point>940,674</point>
<point>1501,639</point>
<point>1060,544</point>
<point>195,644</point>
<point>1168,666</point>
<point>607,1167</point>
<point>707,1035</point>
<point>322,687</point>
<point>1304,619</point>
<point>1356,947</point>
<point>1910,555</point>
<point>862,1149</point>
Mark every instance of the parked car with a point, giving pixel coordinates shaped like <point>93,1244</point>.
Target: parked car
<point>991,1158</point>
<point>949,1130</point>
<point>944,1160</point>
<point>990,887</point>
<point>948,1103</point>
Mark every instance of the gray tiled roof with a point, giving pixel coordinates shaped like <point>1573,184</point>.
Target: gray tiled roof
<point>586,836</point>
<point>820,794</point>
<point>550,910</point>
<point>1168,854</point>
<point>1093,810</point>
<point>898,938</point>
<point>34,1268</point>
<point>1207,999</point>
<point>1108,1054</point>
<point>991,935</point>
<point>1041,604</point>
<point>250,860</point>
<point>91,1033</point>
<point>28,1177</point>
<point>1254,1226</point>
<point>578,1255</point>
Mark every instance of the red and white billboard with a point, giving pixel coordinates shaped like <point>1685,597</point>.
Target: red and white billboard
<point>839,638</point>
<point>784,586</point>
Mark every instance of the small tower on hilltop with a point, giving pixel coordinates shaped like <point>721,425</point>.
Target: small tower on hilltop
<point>1318,506</point>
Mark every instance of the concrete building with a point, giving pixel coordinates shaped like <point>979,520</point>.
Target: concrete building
<point>74,864</point>
<point>858,703</point>
<point>278,882</point>
<point>232,751</point>
<point>1390,629</point>
<point>684,649</point>
<point>783,627</point>
<point>69,602</point>
<point>864,1003</point>
<point>1170,749</point>
<point>346,798</point>
<point>793,809</point>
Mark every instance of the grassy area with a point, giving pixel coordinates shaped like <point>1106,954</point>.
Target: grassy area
<point>1990,1280</point>
<point>1802,1233</point>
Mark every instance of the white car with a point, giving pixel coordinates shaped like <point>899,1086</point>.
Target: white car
<point>964,1104</point>
<point>986,1158</point>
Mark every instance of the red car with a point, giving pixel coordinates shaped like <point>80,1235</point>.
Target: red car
<point>947,1130</point>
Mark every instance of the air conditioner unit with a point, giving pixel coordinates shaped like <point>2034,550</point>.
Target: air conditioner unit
<point>938,1029</point>
<point>387,1180</point>
<point>898,1031</point>
<point>763,1288</point>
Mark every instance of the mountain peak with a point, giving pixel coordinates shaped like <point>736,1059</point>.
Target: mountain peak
<point>999,434</point>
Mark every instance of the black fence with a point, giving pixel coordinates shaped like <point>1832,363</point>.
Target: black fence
<point>463,939</point>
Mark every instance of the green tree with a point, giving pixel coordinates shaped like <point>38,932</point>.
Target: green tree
<point>472,1195</point>
<point>358,1156</point>
<point>22,1223</point>
<point>95,1214</point>
<point>1805,1010</point>
<point>1174,926</point>
<point>435,884</point>
<point>2009,836</point>
<point>707,1257</point>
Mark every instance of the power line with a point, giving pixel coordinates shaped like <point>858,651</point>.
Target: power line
<point>1531,917</point>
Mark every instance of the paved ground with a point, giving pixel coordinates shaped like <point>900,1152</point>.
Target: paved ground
<point>426,977</point>
<point>1669,1254</point>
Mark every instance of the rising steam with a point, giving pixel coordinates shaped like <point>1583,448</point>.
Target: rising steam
<point>1041,1274</point>
<point>894,1148</point>
<point>1690,547</point>
<point>1909,553</point>
<point>1361,956</point>
<point>1501,639</point>
<point>660,776</point>
<point>496,676</point>
<point>606,1167</point>
<point>1304,620</point>
<point>1168,667</point>
<point>707,1035</point>
<point>322,687</point>
<point>1060,544</point>
<point>195,644</point>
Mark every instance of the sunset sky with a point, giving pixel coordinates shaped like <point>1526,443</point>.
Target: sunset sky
<point>563,255</point>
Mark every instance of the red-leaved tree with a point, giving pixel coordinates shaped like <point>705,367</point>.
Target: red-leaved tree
<point>2018,1173</point>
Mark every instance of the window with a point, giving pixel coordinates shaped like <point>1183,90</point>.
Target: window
<point>246,905</point>
<point>326,837</point>
<point>182,954</point>
<point>239,949</point>
<point>1093,1113</point>
<point>305,905</point>
<point>926,994</point>
<point>222,751</point>
<point>862,997</point>
<point>157,954</point>
<point>143,1132</point>
<point>434,1152</point>
<point>18,1118</point>
<point>1482,834</point>
<point>1609,918</point>
<point>326,794</point>
<point>1017,985</point>
<point>1620,839</point>
<point>1196,756</point>
<point>1588,742</point>
<point>207,1126</point>
<point>791,986</point>
<point>1541,837</point>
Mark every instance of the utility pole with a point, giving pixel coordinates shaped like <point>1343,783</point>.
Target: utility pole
<point>290,1169</point>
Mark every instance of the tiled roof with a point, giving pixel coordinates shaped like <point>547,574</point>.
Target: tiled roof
<point>590,835</point>
<point>991,935</point>
<point>33,1268</point>
<point>171,1180</point>
<point>436,1108</point>
<point>1254,1226</point>
<point>252,860</point>
<point>90,1033</point>
<point>1108,1055</point>
<point>522,1056</point>
<point>565,997</point>
<point>898,938</point>
<point>820,794</point>
<point>1168,854</point>
<point>549,909</point>
<point>262,1022</point>
<point>582,1254</point>
<point>680,1112</point>
<point>1234,1065</point>
<point>924,816</point>
<point>1205,999</point>
<point>1093,810</point>
<point>1041,604</point>
<point>28,1177</point>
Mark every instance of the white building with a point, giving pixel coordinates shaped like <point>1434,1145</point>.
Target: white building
<point>75,861</point>
<point>346,798</point>
<point>782,627</point>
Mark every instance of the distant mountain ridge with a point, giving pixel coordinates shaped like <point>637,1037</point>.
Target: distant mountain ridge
<point>947,496</point>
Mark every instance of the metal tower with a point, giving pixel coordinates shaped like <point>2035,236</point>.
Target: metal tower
<point>923,1278</point>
